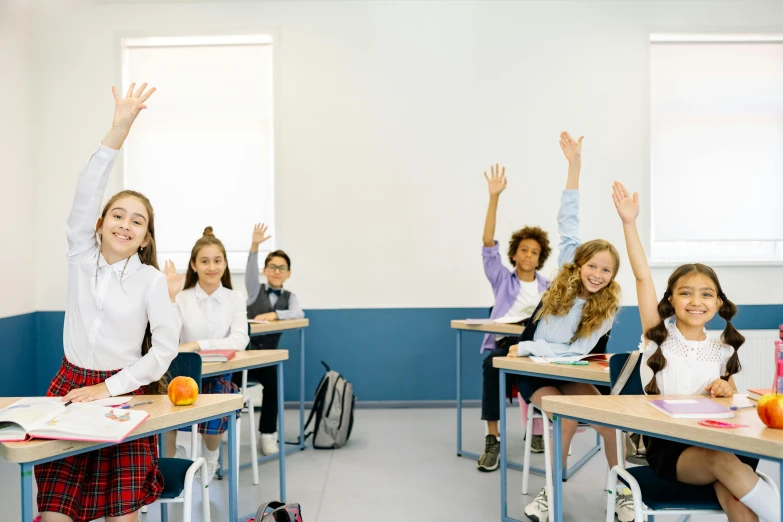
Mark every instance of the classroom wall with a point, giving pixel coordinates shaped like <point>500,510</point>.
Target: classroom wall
<point>17,185</point>
<point>388,114</point>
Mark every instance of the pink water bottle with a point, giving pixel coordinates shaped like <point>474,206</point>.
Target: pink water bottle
<point>778,386</point>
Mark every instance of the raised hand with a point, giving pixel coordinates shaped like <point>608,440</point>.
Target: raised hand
<point>259,234</point>
<point>496,181</point>
<point>572,149</point>
<point>130,106</point>
<point>627,206</point>
<point>173,279</point>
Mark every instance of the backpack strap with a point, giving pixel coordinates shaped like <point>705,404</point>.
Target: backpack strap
<point>263,507</point>
<point>625,373</point>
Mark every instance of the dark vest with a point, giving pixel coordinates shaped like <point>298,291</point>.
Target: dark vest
<point>263,305</point>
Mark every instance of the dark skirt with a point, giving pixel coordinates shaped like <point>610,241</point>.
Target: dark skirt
<point>662,456</point>
<point>108,482</point>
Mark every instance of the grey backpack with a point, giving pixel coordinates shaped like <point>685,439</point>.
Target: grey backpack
<point>279,512</point>
<point>332,411</point>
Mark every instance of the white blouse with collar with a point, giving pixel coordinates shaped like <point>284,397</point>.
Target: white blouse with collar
<point>108,306</point>
<point>690,365</point>
<point>217,321</point>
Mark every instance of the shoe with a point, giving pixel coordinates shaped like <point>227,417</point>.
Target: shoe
<point>488,461</point>
<point>212,467</point>
<point>623,505</point>
<point>538,510</point>
<point>537,444</point>
<point>267,443</point>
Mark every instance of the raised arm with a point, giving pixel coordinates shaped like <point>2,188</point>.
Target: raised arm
<point>496,182</point>
<point>252,284</point>
<point>628,209</point>
<point>568,215</point>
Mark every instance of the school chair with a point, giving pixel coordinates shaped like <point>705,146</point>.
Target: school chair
<point>249,404</point>
<point>659,496</point>
<point>178,474</point>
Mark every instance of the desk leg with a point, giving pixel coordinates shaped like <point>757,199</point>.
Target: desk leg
<point>233,472</point>
<point>301,387</point>
<point>281,429</point>
<point>164,511</point>
<point>502,431</point>
<point>459,393</point>
<point>557,502</point>
<point>27,492</point>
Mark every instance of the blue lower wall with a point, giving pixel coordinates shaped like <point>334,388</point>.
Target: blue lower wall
<point>396,354</point>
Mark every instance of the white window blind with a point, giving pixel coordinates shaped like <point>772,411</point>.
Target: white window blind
<point>203,151</point>
<point>717,148</point>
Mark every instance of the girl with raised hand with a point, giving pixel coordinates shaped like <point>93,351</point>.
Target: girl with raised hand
<point>119,338</point>
<point>679,359</point>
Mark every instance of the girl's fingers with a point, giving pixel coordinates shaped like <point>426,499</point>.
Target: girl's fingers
<point>130,90</point>
<point>115,93</point>
<point>140,90</point>
<point>147,94</point>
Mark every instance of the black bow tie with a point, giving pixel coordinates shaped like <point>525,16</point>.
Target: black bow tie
<point>273,291</point>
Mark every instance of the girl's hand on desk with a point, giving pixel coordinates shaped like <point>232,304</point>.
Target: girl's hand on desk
<point>88,393</point>
<point>720,388</point>
<point>192,346</point>
<point>513,351</point>
<point>270,316</point>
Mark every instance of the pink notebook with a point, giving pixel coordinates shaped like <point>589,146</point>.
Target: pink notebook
<point>692,409</point>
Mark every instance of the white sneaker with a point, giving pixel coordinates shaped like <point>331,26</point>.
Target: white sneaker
<point>267,443</point>
<point>212,467</point>
<point>623,504</point>
<point>538,510</point>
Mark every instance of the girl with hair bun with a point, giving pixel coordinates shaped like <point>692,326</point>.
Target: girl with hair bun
<point>210,316</point>
<point>679,359</point>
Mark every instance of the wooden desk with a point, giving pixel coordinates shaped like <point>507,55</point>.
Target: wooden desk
<point>244,360</point>
<point>593,373</point>
<point>255,329</point>
<point>633,413</point>
<point>164,417</point>
<point>463,326</point>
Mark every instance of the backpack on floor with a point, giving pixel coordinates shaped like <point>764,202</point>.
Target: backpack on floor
<point>332,411</point>
<point>278,512</point>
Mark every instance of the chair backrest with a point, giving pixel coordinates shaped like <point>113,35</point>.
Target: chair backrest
<point>187,364</point>
<point>634,384</point>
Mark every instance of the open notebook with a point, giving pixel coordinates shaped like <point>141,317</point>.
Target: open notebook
<point>49,418</point>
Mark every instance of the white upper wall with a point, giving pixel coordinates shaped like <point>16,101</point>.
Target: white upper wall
<point>17,182</point>
<point>389,112</point>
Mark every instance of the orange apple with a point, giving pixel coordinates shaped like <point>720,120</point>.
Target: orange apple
<point>183,391</point>
<point>770,410</point>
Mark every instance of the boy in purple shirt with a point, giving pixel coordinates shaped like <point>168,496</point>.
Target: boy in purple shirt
<point>517,293</point>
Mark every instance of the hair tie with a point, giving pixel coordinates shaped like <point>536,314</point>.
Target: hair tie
<point>722,296</point>
<point>667,294</point>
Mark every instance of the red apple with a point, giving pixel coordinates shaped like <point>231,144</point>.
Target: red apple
<point>183,391</point>
<point>770,410</point>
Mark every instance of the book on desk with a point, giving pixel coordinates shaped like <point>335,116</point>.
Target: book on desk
<point>692,409</point>
<point>209,356</point>
<point>51,418</point>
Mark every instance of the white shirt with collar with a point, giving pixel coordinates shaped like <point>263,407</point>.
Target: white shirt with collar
<point>690,365</point>
<point>108,306</point>
<point>216,321</point>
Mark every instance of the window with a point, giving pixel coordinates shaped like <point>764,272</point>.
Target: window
<point>717,148</point>
<point>204,151</point>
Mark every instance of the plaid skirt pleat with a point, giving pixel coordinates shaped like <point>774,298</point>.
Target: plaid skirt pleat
<point>108,482</point>
<point>219,384</point>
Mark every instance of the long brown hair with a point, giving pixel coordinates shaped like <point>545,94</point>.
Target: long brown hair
<point>148,255</point>
<point>191,277</point>
<point>567,285</point>
<point>659,333</point>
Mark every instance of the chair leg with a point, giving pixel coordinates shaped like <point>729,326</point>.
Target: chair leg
<point>194,442</point>
<point>548,459</point>
<point>205,515</point>
<point>611,494</point>
<point>253,445</point>
<point>187,505</point>
<point>528,444</point>
<point>620,441</point>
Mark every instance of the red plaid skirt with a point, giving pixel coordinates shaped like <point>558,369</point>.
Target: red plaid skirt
<point>108,482</point>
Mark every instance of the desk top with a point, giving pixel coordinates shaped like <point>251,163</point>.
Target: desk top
<point>592,372</point>
<point>278,326</point>
<point>162,415</point>
<point>243,360</point>
<point>511,329</point>
<point>633,413</point>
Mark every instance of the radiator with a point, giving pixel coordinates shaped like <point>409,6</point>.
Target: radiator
<point>757,357</point>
